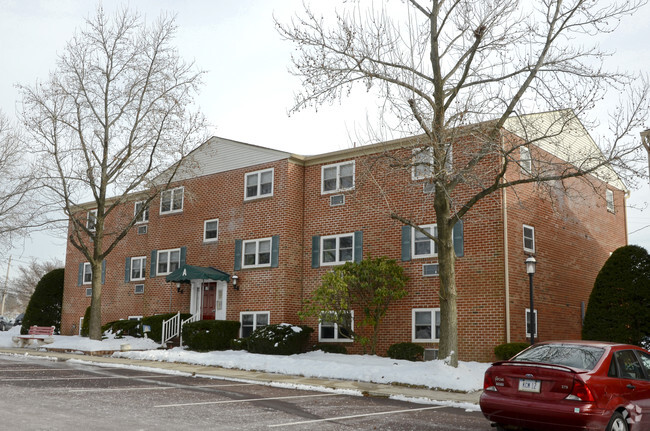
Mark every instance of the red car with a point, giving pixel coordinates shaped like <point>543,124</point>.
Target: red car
<point>570,385</point>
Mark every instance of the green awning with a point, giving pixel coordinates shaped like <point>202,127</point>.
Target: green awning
<point>186,273</point>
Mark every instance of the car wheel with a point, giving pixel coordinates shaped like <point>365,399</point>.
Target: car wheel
<point>617,423</point>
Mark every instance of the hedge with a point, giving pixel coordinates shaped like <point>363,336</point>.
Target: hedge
<point>122,328</point>
<point>331,348</point>
<point>406,351</point>
<point>282,339</point>
<point>209,335</point>
<point>506,351</point>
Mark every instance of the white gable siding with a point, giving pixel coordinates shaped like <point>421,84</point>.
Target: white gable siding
<point>220,155</point>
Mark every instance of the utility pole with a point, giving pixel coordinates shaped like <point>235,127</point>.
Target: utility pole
<point>4,292</point>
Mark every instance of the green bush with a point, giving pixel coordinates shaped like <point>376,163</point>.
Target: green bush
<point>280,339</point>
<point>506,351</point>
<point>239,344</point>
<point>155,322</point>
<point>407,351</point>
<point>85,323</point>
<point>209,335</point>
<point>331,348</point>
<point>122,328</point>
<point>44,308</point>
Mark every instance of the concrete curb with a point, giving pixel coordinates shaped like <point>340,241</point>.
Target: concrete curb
<point>365,388</point>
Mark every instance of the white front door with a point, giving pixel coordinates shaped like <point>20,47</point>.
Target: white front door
<point>220,302</point>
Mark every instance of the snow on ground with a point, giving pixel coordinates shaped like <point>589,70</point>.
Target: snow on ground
<point>467,377</point>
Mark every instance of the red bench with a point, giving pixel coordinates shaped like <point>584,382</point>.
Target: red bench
<point>36,335</point>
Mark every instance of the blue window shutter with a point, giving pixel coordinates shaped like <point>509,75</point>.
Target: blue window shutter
<point>358,246</point>
<point>406,243</point>
<point>80,276</point>
<point>237,254</point>
<point>458,234</point>
<point>183,255</point>
<point>315,251</point>
<point>103,271</point>
<point>275,251</point>
<point>127,270</point>
<point>152,268</point>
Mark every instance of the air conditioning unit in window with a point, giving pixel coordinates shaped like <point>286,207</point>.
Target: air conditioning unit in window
<point>430,354</point>
<point>142,229</point>
<point>337,200</point>
<point>430,269</point>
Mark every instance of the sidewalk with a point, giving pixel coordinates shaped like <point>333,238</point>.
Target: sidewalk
<point>365,388</point>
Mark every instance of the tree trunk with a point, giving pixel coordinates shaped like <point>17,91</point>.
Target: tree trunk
<point>95,324</point>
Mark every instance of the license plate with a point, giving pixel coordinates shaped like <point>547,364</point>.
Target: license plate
<point>527,385</point>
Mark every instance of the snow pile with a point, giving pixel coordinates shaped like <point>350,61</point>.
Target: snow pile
<point>468,377</point>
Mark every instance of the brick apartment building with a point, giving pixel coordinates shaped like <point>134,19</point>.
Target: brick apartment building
<point>278,221</point>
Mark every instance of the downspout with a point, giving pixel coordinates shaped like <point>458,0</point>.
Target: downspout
<point>506,259</point>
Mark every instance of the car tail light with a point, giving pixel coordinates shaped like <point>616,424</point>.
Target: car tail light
<point>488,382</point>
<point>580,392</point>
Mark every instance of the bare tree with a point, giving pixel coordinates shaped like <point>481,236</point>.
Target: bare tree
<point>112,117</point>
<point>23,285</point>
<point>458,74</point>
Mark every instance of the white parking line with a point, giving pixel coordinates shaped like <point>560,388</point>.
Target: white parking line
<point>246,400</point>
<point>48,379</point>
<point>354,416</point>
<point>145,388</point>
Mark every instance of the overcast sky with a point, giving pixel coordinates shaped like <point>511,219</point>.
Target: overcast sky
<point>247,90</point>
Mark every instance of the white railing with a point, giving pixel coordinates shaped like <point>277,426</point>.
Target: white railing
<point>190,319</point>
<point>171,328</point>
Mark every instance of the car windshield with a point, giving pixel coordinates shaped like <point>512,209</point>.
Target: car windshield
<point>569,355</point>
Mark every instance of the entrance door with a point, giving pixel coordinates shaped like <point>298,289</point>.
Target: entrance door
<point>209,296</point>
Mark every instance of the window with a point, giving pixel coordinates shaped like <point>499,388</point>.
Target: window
<point>252,321</point>
<point>259,184</point>
<point>529,239</point>
<point>257,253</point>
<point>138,267</point>
<point>525,160</point>
<point>210,230</point>
<point>609,197</point>
<point>528,322</point>
<point>422,163</point>
<point>329,330</point>
<point>138,318</point>
<point>91,220</point>
<point>144,217</point>
<point>168,261</point>
<point>89,291</point>
<point>87,273</point>
<point>337,177</point>
<point>423,246</point>
<point>337,249</point>
<point>426,324</point>
<point>139,288</point>
<point>171,201</point>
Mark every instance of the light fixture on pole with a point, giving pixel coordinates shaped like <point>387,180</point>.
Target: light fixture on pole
<point>530,269</point>
<point>235,279</point>
<point>645,140</point>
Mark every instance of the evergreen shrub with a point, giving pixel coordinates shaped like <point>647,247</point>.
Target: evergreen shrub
<point>505,351</point>
<point>85,324</point>
<point>407,351</point>
<point>44,307</point>
<point>122,328</point>
<point>210,335</point>
<point>331,348</point>
<point>282,339</point>
<point>155,322</point>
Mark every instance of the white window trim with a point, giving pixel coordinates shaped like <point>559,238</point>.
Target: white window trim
<point>526,249</point>
<point>255,323</point>
<point>259,184</point>
<point>338,177</point>
<point>205,230</point>
<point>144,215</point>
<point>526,323</point>
<point>433,312</point>
<point>92,214</point>
<point>87,269</point>
<point>338,249</point>
<point>173,191</point>
<point>434,246</point>
<point>609,199</point>
<point>169,251</point>
<point>257,253</point>
<point>336,338</point>
<point>525,160</point>
<point>142,268</point>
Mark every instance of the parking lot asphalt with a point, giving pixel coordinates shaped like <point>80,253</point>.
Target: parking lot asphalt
<point>364,388</point>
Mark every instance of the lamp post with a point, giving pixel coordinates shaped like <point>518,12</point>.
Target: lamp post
<point>530,269</point>
<point>645,140</point>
